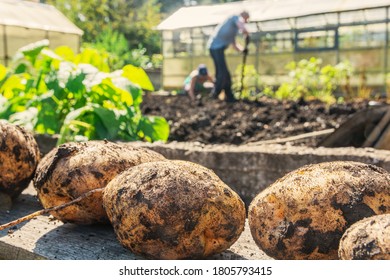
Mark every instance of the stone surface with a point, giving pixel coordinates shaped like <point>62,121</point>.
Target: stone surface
<point>48,238</point>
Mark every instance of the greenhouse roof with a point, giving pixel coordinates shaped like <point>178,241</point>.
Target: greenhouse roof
<point>261,10</point>
<point>35,15</point>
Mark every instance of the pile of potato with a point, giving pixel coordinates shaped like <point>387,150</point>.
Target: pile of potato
<point>160,209</point>
<point>169,209</point>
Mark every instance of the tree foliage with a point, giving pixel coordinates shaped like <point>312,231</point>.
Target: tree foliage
<point>135,19</point>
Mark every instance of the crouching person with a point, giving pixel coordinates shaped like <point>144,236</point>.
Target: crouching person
<point>199,81</point>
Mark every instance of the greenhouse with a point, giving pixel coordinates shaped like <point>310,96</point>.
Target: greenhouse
<point>24,22</point>
<point>283,31</point>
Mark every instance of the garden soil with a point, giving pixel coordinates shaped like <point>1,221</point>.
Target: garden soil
<point>217,122</point>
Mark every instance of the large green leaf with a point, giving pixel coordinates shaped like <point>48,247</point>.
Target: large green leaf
<point>110,121</point>
<point>106,125</point>
<point>119,97</point>
<point>61,93</point>
<point>12,86</point>
<point>31,51</point>
<point>3,72</point>
<point>138,76</point>
<point>26,119</point>
<point>93,57</point>
<point>153,128</point>
<point>65,52</point>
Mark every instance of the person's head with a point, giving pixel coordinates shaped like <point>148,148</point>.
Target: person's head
<point>202,70</point>
<point>245,16</point>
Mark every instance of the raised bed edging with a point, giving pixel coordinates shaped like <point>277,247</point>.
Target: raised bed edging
<point>250,169</point>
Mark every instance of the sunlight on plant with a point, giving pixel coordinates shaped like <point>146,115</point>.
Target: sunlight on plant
<point>75,96</point>
<point>114,48</point>
<point>308,80</point>
<point>247,88</point>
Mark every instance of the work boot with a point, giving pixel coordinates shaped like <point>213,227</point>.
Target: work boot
<point>231,100</point>
<point>213,95</point>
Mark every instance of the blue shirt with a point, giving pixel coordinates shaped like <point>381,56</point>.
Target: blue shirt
<point>224,34</point>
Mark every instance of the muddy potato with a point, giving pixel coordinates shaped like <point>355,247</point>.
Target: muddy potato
<point>72,169</point>
<point>304,214</point>
<point>367,239</point>
<point>19,157</point>
<point>173,210</point>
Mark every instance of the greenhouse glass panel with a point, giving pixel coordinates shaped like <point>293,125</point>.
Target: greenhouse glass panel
<point>276,42</point>
<point>311,21</point>
<point>208,30</point>
<point>376,34</point>
<point>167,43</point>
<point>274,25</point>
<point>362,36</point>
<point>182,43</point>
<point>58,39</point>
<point>18,37</point>
<point>375,14</point>
<point>352,17</point>
<point>167,47</point>
<point>167,35</point>
<point>2,50</point>
<point>252,27</point>
<point>331,19</point>
<point>322,39</point>
<point>199,41</point>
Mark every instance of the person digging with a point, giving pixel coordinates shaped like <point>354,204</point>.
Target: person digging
<point>223,36</point>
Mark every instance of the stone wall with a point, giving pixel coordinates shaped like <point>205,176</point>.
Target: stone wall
<point>250,169</point>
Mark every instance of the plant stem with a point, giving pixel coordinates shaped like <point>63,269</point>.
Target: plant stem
<point>49,210</point>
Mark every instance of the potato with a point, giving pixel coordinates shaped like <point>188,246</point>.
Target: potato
<point>304,214</point>
<point>19,157</point>
<point>173,210</point>
<point>72,169</point>
<point>367,239</point>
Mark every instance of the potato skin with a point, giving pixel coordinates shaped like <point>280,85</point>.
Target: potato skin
<point>304,214</point>
<point>19,157</point>
<point>173,210</point>
<point>367,239</point>
<point>72,169</point>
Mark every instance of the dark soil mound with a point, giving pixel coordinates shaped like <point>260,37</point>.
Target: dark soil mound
<point>217,122</point>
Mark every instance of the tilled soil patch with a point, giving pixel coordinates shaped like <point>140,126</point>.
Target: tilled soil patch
<point>218,122</point>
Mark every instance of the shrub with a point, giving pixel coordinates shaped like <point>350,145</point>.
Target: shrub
<point>73,95</point>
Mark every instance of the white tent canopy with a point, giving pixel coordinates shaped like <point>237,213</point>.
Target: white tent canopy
<point>260,10</point>
<point>24,22</point>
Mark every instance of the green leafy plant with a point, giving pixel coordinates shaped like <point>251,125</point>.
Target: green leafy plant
<point>114,49</point>
<point>252,86</point>
<point>59,92</point>
<point>247,81</point>
<point>311,80</point>
<point>308,80</point>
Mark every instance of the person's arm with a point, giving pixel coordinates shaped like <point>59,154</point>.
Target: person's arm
<point>241,26</point>
<point>191,92</point>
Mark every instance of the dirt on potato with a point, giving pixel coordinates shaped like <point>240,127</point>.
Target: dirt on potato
<point>173,210</point>
<point>73,169</point>
<point>304,214</point>
<point>218,122</point>
<point>19,157</point>
<point>367,239</point>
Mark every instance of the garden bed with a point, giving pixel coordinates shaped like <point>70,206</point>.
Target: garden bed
<point>217,122</point>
